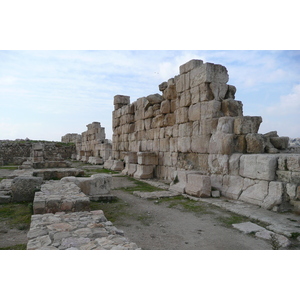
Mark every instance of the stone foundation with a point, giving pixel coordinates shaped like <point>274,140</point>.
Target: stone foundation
<point>76,231</point>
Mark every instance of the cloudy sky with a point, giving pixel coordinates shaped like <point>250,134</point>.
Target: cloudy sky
<point>46,94</point>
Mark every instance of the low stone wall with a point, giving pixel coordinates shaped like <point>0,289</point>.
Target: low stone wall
<point>16,152</point>
<point>49,174</point>
<point>57,196</point>
<point>76,231</point>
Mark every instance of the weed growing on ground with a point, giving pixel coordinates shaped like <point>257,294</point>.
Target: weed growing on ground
<point>274,242</point>
<point>183,203</point>
<point>9,168</point>
<point>232,219</point>
<point>140,186</point>
<point>17,215</point>
<point>15,247</point>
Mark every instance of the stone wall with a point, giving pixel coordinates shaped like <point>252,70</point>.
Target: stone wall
<point>16,152</point>
<point>197,126</point>
<point>91,145</point>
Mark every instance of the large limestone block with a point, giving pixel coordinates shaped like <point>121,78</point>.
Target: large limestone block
<point>198,185</point>
<point>121,100</point>
<point>255,143</point>
<point>158,121</point>
<point>182,82</point>
<point>225,124</point>
<point>170,92</point>
<point>131,169</point>
<point>232,186</point>
<point>258,166</point>
<point>194,113</point>
<point>165,107</point>
<point>240,144</point>
<point>219,90</point>
<point>97,184</point>
<point>218,164</point>
<point>144,172</point>
<point>148,113</point>
<point>185,129</point>
<point>247,124</point>
<point>208,72</point>
<point>184,144</point>
<point>293,162</point>
<point>179,182</point>
<point>200,144</point>
<point>130,158</point>
<point>280,143</point>
<point>23,188</point>
<point>234,164</point>
<point>255,193</point>
<point>190,65</point>
<point>275,195</point>
<point>181,115</point>
<point>206,93</point>
<point>170,120</point>
<point>185,98</point>
<point>221,143</point>
<point>211,109</point>
<point>117,165</point>
<point>147,158</point>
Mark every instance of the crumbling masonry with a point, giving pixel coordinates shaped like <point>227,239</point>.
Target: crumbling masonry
<point>196,136</point>
<point>91,145</point>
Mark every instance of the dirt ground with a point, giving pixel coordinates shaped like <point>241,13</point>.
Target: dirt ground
<point>157,225</point>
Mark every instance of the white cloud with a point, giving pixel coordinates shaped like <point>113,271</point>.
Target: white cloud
<point>289,104</point>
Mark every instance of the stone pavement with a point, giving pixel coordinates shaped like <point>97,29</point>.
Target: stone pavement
<point>76,231</point>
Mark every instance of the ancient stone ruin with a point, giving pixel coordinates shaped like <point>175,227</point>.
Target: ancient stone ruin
<point>195,136</point>
<point>91,145</point>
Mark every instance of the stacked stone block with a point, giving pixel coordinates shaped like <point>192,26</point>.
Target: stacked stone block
<point>197,125</point>
<point>91,145</point>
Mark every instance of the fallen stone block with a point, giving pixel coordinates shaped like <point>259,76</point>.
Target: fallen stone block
<point>118,165</point>
<point>179,183</point>
<point>97,184</point>
<point>95,160</point>
<point>256,192</point>
<point>23,188</point>
<point>198,185</point>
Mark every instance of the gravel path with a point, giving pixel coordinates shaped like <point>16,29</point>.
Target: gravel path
<point>158,227</point>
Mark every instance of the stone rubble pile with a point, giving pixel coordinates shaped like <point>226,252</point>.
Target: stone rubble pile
<point>76,231</point>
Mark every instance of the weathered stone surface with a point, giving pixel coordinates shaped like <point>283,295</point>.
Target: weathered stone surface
<point>97,184</point>
<point>255,143</point>
<point>232,186</point>
<point>154,99</point>
<point>256,192</point>
<point>258,166</point>
<point>275,195</point>
<point>198,185</point>
<point>49,174</point>
<point>280,143</point>
<point>23,188</point>
<point>192,64</point>
<point>245,125</point>
<point>144,172</point>
<point>147,158</point>
<point>218,164</point>
<point>179,182</point>
<point>117,165</point>
<point>232,108</point>
<point>76,231</point>
<point>56,196</point>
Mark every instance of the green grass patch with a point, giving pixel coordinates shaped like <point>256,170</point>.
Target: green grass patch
<point>9,168</point>
<point>233,219</point>
<point>17,215</point>
<point>184,204</point>
<point>100,171</point>
<point>113,210</point>
<point>15,247</point>
<point>294,235</point>
<point>140,186</point>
